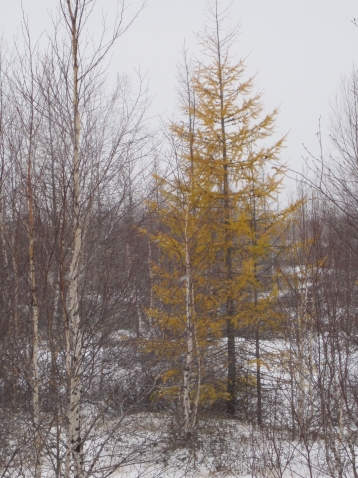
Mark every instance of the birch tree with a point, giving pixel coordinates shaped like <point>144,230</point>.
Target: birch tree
<point>75,14</point>
<point>182,275</point>
<point>75,338</point>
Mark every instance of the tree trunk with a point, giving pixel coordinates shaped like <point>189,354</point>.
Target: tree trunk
<point>258,377</point>
<point>198,384</point>
<point>230,326</point>
<point>35,322</point>
<point>151,299</point>
<point>189,335</point>
<point>74,323</point>
<point>231,352</point>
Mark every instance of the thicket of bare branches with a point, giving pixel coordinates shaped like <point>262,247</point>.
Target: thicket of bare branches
<point>79,373</point>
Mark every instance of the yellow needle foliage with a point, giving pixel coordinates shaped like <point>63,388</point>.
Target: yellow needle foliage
<point>218,215</point>
<point>186,313</point>
<point>237,156</point>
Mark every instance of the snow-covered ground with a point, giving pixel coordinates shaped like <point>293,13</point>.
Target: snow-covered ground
<point>146,445</point>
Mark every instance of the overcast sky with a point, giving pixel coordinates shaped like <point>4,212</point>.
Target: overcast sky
<point>298,49</point>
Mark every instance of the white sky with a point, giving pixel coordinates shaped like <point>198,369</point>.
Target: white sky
<point>300,49</point>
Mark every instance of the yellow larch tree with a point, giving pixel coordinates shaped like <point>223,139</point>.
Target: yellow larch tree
<point>220,219</point>
<point>231,133</point>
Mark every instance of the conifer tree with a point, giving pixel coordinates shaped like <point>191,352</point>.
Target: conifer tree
<point>220,214</point>
<point>231,133</point>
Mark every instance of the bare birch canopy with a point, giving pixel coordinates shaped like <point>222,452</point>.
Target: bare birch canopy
<point>297,52</point>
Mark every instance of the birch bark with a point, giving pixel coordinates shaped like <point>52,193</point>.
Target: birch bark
<point>35,311</point>
<point>35,338</point>
<point>189,334</point>
<point>75,338</point>
<point>32,279</point>
<point>192,346</point>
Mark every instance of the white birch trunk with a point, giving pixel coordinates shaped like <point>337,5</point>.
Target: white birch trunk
<point>75,334</point>
<point>139,315</point>
<point>35,326</point>
<point>74,323</point>
<point>16,286</point>
<point>198,383</point>
<point>311,377</point>
<point>68,372</point>
<point>301,383</point>
<point>2,233</point>
<point>189,334</point>
<point>151,301</point>
<point>301,359</point>
<point>35,365</point>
